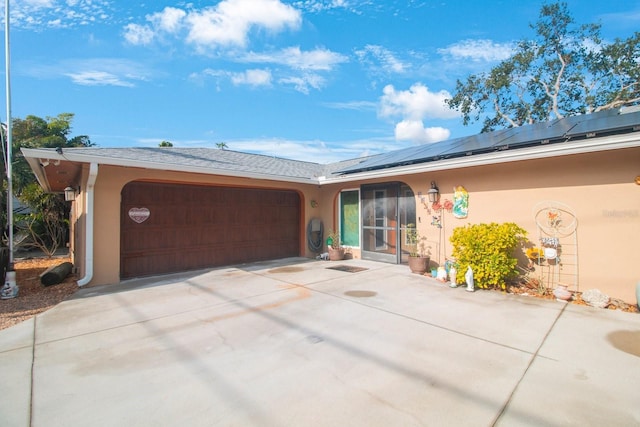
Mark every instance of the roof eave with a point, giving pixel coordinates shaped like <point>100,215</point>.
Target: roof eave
<point>36,167</point>
<point>611,142</point>
<point>33,154</point>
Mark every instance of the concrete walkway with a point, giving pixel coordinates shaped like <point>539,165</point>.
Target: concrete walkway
<point>293,343</point>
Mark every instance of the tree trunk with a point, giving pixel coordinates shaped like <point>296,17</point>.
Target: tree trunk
<point>56,274</point>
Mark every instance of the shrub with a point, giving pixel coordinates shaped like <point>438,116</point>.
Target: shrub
<point>489,249</point>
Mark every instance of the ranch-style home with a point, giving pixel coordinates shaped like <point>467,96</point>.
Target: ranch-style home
<point>572,183</point>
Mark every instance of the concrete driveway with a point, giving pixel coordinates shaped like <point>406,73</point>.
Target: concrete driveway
<point>294,343</point>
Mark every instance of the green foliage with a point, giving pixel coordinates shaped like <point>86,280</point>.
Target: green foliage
<point>416,242</point>
<point>489,249</point>
<point>46,226</point>
<point>35,132</point>
<point>165,144</point>
<point>565,70</point>
<point>334,238</point>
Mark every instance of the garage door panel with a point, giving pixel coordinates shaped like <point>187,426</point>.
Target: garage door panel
<point>193,227</point>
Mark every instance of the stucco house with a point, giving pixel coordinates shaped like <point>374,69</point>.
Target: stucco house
<point>147,211</point>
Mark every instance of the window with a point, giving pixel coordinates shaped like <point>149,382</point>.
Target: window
<point>350,218</point>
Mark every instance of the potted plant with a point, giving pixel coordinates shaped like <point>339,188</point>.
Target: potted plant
<point>336,250</point>
<point>419,255</point>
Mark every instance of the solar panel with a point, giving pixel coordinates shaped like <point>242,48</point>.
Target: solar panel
<point>554,131</point>
<point>605,123</point>
<point>475,144</point>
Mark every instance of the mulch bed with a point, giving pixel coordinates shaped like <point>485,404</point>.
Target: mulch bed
<point>33,297</point>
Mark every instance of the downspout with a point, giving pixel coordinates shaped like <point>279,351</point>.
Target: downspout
<point>88,232</point>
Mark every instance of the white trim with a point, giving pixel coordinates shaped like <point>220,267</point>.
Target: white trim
<point>607,143</point>
<point>89,210</point>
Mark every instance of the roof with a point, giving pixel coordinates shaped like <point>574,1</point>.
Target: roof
<point>606,130</point>
<point>573,128</point>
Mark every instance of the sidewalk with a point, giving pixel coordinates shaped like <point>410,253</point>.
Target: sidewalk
<point>293,343</point>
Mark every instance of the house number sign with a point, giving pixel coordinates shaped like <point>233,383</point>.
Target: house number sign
<point>139,215</point>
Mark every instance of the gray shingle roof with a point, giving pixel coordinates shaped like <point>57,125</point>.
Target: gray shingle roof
<point>207,158</point>
<point>234,163</point>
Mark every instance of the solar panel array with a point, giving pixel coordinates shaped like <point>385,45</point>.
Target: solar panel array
<point>555,131</point>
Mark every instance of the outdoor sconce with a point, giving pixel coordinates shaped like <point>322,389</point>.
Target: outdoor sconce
<point>69,194</point>
<point>433,193</point>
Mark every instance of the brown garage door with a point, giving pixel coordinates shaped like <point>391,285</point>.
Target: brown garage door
<point>173,227</point>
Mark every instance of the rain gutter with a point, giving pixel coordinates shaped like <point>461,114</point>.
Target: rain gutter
<point>89,210</point>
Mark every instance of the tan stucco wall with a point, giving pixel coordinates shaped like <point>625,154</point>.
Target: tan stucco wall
<point>600,188</point>
<point>109,184</point>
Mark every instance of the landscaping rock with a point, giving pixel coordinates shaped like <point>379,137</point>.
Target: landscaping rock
<point>595,298</point>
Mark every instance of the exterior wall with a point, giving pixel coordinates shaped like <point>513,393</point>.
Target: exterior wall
<point>109,184</point>
<point>77,228</point>
<point>600,188</point>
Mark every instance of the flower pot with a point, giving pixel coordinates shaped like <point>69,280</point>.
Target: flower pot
<point>336,254</point>
<point>419,264</point>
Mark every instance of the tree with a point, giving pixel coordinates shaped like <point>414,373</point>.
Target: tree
<point>566,70</point>
<point>35,132</point>
<point>222,145</point>
<point>48,211</point>
<point>165,144</point>
<point>45,227</point>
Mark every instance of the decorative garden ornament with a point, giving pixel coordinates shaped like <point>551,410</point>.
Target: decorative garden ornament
<point>10,288</point>
<point>562,292</point>
<point>460,202</point>
<point>452,277</point>
<point>468,276</point>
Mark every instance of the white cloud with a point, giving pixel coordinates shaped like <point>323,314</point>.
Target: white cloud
<point>98,78</point>
<point>39,14</point>
<point>314,151</point>
<point>226,24</point>
<point>413,106</point>
<point>252,78</point>
<point>478,50</point>
<point>319,59</point>
<point>319,6</point>
<point>381,58</point>
<point>229,23</point>
<point>304,82</point>
<point>352,105</point>
<point>39,3</point>
<point>303,73</point>
<point>138,34</point>
<point>92,72</point>
<point>414,130</point>
<point>416,103</point>
<point>169,20</point>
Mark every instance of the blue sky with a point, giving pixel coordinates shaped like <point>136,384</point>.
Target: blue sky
<point>310,80</point>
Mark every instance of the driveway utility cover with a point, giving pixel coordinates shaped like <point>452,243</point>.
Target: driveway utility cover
<point>361,294</point>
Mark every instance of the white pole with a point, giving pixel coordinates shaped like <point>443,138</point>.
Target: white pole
<point>9,289</point>
<point>7,55</point>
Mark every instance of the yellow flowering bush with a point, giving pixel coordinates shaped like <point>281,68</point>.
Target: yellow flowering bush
<point>490,251</point>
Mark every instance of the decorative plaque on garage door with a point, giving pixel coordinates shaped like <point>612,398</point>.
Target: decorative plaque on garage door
<point>139,215</point>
